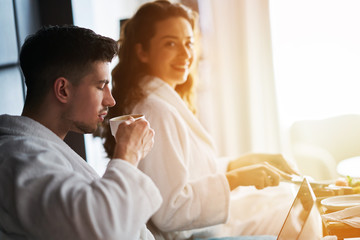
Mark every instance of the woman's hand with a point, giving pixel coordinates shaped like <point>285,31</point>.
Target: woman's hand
<point>276,160</point>
<point>260,175</point>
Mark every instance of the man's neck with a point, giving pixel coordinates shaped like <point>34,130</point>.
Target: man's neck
<point>49,119</point>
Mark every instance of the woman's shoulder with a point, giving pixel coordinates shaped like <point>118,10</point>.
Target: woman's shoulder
<point>155,105</point>
<point>160,114</point>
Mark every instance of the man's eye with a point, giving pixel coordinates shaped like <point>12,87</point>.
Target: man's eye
<point>102,87</point>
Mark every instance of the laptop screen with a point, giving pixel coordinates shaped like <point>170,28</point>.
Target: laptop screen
<point>298,213</point>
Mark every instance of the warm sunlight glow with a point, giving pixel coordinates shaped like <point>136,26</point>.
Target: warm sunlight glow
<point>316,49</point>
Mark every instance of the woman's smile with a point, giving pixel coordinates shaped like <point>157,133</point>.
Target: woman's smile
<point>171,52</point>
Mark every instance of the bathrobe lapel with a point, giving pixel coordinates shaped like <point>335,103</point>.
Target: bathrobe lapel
<point>162,90</point>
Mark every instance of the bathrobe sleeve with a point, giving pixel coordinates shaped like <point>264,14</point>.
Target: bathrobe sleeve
<point>194,193</point>
<point>52,201</point>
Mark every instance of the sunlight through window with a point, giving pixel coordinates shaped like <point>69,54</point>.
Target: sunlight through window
<point>316,50</point>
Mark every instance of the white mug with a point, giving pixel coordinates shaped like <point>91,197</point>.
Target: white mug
<point>115,122</point>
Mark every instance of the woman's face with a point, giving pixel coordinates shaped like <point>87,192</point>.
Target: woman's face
<point>170,52</point>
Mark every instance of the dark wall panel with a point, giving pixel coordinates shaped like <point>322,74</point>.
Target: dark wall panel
<point>55,12</point>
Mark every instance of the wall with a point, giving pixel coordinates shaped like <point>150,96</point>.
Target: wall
<point>18,19</point>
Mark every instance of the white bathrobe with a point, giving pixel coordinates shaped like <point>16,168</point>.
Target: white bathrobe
<point>183,165</point>
<point>47,191</point>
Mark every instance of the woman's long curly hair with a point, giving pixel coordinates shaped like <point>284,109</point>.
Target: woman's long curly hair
<point>128,73</point>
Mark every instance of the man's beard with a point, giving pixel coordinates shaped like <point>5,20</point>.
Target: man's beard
<point>82,127</point>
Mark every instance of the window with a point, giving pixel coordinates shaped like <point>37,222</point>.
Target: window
<point>316,50</point>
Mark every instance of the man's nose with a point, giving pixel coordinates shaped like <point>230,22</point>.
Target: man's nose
<point>108,101</point>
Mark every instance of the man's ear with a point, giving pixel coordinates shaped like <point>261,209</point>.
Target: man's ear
<point>62,89</point>
<point>141,54</point>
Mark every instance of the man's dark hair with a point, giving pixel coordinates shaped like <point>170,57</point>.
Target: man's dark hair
<point>60,51</point>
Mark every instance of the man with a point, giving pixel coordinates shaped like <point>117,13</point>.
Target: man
<point>47,191</point>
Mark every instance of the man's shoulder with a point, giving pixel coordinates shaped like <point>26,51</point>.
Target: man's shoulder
<point>20,152</point>
<point>23,146</point>
<point>17,144</point>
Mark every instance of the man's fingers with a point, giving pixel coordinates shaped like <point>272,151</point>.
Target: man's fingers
<point>148,141</point>
<point>134,140</point>
<point>140,127</point>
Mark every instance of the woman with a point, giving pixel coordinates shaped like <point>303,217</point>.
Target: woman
<point>153,78</point>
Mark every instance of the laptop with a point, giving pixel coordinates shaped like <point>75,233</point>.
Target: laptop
<point>295,220</point>
<point>298,213</point>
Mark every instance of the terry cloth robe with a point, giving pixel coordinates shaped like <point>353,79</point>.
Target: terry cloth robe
<point>47,191</point>
<point>184,166</point>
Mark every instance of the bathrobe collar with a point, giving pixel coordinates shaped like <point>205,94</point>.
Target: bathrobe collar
<point>156,86</point>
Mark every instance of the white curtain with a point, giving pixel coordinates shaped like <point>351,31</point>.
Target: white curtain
<point>237,101</point>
